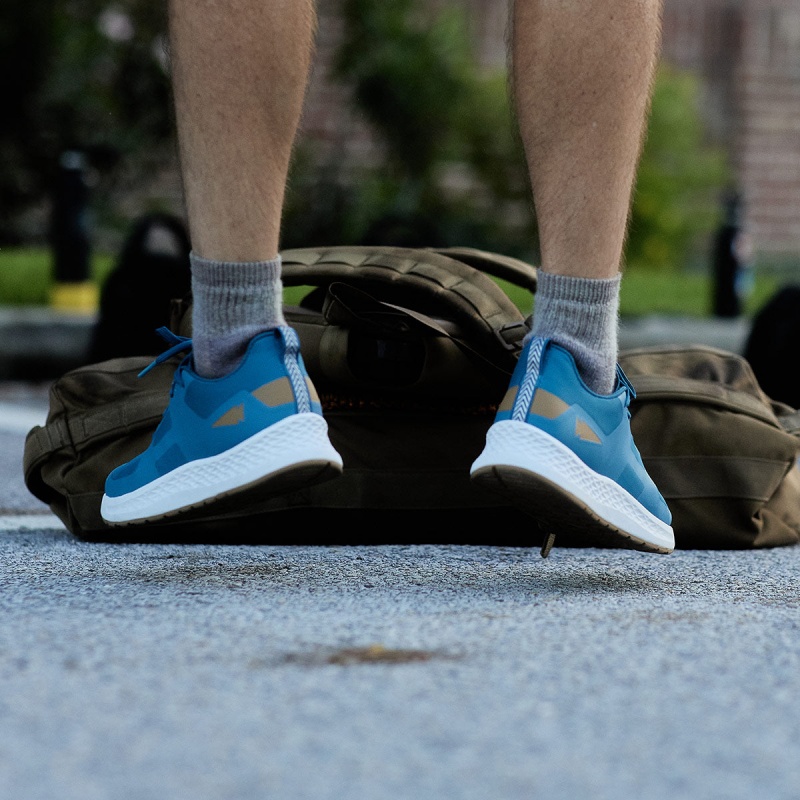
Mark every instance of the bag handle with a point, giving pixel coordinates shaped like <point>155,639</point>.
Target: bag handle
<point>355,309</point>
<point>676,388</point>
<point>518,272</point>
<point>444,261</point>
<point>437,285</point>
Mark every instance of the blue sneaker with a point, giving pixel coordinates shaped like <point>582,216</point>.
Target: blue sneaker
<point>256,432</point>
<point>566,455</point>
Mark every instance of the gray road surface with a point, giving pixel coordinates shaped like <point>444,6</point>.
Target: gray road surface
<point>240,672</point>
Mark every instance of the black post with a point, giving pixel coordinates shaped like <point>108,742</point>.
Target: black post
<point>732,261</point>
<point>70,235</point>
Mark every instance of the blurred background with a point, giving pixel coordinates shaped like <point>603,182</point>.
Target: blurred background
<point>408,138</point>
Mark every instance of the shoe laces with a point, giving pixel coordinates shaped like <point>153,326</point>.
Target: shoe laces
<point>625,381</point>
<point>532,367</point>
<point>291,361</point>
<point>177,344</point>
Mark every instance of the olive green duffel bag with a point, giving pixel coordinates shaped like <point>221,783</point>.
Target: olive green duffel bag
<point>723,455</point>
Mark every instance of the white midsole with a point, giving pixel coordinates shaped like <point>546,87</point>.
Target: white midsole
<point>294,440</point>
<point>518,444</point>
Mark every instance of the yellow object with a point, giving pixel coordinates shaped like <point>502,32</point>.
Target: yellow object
<point>82,297</point>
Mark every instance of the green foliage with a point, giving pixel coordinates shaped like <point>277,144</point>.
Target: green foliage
<point>408,76</point>
<point>676,293</point>
<point>680,181</point>
<point>108,88</point>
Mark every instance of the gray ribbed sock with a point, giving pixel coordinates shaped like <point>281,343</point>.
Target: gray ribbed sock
<point>231,303</point>
<point>582,315</point>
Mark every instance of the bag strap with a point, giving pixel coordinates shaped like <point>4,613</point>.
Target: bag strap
<point>704,374</point>
<point>355,309</point>
<point>513,270</point>
<point>73,430</point>
<point>675,388</point>
<point>81,428</point>
<point>42,440</point>
<point>451,288</point>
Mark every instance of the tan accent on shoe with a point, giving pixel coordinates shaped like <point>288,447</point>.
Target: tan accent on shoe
<point>233,416</point>
<point>312,390</point>
<point>507,403</point>
<point>546,404</point>
<point>275,393</point>
<point>583,431</point>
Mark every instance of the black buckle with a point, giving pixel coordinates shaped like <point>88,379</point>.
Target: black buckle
<point>511,335</point>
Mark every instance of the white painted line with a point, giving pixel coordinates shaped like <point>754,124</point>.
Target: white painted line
<point>18,419</point>
<point>30,522</point>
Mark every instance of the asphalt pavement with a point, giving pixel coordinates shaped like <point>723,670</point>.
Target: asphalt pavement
<point>216,671</point>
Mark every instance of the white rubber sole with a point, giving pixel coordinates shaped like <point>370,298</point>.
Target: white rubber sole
<point>279,458</point>
<point>534,469</point>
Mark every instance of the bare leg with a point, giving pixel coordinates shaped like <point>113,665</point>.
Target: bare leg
<point>582,74</point>
<point>239,70</point>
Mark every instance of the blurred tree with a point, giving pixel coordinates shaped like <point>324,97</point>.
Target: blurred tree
<point>80,75</point>
<point>25,39</point>
<point>453,170</point>
<point>409,75</point>
<point>108,87</point>
<point>681,177</point>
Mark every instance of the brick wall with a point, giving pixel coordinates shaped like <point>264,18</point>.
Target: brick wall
<point>748,55</point>
<point>768,142</point>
